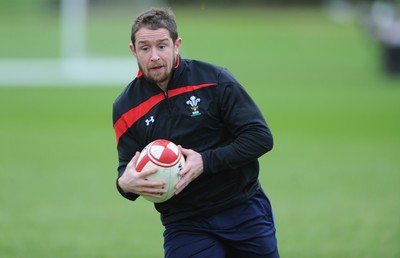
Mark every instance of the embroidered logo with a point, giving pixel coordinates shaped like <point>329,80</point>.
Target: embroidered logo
<point>150,120</point>
<point>193,103</point>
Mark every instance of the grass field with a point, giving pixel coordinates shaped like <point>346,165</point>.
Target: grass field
<point>333,176</point>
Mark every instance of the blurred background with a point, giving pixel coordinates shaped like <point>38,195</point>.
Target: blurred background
<point>325,74</point>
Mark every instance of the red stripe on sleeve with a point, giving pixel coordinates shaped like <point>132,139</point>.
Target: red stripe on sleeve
<point>134,114</point>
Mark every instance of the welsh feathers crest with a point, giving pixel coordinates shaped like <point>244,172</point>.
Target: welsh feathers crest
<point>193,103</point>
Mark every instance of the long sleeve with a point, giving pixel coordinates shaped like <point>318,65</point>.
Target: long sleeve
<point>252,137</point>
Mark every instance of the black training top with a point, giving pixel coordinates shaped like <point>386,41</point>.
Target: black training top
<point>204,109</point>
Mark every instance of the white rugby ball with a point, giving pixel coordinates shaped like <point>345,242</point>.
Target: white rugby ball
<point>169,160</point>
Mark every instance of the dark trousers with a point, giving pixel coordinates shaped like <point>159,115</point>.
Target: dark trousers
<point>245,231</point>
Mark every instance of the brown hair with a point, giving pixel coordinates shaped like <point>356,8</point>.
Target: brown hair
<point>155,18</point>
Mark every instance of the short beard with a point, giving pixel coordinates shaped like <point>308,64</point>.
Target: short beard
<point>151,80</point>
<point>167,77</point>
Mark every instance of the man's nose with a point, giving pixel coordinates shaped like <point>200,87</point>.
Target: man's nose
<point>154,55</point>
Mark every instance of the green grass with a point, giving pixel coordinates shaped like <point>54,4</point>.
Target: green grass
<point>332,177</point>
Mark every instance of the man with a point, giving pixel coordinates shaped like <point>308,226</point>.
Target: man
<point>219,209</point>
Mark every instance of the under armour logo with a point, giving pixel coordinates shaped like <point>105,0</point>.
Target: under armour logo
<point>151,120</point>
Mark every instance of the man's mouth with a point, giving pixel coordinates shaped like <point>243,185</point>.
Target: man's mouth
<point>156,67</point>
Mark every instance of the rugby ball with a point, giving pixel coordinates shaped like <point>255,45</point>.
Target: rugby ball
<point>166,156</point>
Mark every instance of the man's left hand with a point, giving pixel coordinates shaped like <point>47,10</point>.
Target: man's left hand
<point>191,170</point>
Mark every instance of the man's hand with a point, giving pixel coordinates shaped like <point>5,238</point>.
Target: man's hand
<point>192,169</point>
<point>136,182</point>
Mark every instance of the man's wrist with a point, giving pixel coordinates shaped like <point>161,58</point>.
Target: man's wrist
<point>121,184</point>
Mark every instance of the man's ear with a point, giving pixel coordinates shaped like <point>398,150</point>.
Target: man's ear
<point>178,44</point>
<point>132,48</point>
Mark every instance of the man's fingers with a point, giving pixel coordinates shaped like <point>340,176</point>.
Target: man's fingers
<point>153,183</point>
<point>134,159</point>
<point>148,182</point>
<point>148,172</point>
<point>183,171</point>
<point>152,190</point>
<point>154,195</point>
<point>183,150</point>
<point>181,184</point>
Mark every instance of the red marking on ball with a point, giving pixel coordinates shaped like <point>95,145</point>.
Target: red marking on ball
<point>162,153</point>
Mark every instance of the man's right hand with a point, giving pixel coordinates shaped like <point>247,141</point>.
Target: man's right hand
<point>137,182</point>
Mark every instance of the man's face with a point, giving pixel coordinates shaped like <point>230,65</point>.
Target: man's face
<point>156,54</point>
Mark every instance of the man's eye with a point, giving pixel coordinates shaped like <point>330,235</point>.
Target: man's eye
<point>144,49</point>
<point>162,46</point>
